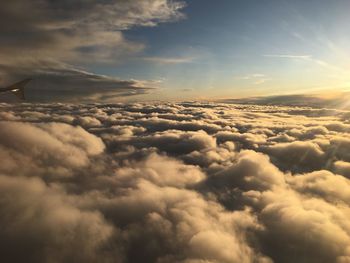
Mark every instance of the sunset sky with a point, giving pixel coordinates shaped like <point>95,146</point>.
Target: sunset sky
<point>175,50</point>
<point>245,48</point>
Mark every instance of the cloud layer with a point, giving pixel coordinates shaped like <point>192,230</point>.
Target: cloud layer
<point>187,182</point>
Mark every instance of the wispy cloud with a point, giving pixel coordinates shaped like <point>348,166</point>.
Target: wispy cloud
<point>288,56</point>
<point>252,76</point>
<point>169,60</point>
<point>257,78</point>
<point>187,90</point>
<point>310,58</point>
<point>261,81</point>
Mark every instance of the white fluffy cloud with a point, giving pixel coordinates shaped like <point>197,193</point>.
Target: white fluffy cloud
<point>173,183</point>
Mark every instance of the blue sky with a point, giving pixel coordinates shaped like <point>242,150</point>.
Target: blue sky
<point>244,48</point>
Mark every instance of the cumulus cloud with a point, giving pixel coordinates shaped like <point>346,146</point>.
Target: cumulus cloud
<point>46,40</point>
<point>51,228</point>
<point>173,182</point>
<point>342,168</point>
<point>298,155</point>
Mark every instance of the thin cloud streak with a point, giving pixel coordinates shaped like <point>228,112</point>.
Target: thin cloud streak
<point>338,72</point>
<point>169,60</point>
<point>257,78</point>
<point>304,57</point>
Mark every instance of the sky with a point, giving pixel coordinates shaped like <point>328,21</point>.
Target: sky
<point>174,50</point>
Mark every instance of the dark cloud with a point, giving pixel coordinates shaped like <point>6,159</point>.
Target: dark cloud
<point>46,40</point>
<point>323,105</point>
<point>64,83</point>
<point>223,183</point>
<point>298,155</point>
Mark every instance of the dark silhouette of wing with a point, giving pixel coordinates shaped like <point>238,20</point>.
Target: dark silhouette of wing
<point>17,88</point>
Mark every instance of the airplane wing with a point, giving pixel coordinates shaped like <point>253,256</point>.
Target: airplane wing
<point>17,88</point>
<point>19,93</point>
